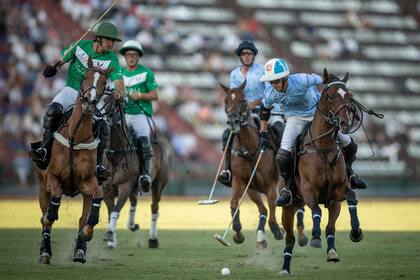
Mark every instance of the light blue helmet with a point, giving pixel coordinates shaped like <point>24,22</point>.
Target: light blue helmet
<point>275,69</point>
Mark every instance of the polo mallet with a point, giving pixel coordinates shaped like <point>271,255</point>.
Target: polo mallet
<point>84,35</point>
<point>211,201</point>
<point>217,236</point>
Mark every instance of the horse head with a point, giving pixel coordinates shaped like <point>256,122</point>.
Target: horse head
<point>93,86</point>
<point>236,107</point>
<point>336,102</point>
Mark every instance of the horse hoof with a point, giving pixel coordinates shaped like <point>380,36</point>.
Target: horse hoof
<point>261,245</point>
<point>79,256</point>
<point>107,236</point>
<point>44,258</point>
<point>153,243</point>
<point>316,243</point>
<point>238,238</point>
<point>332,256</point>
<point>277,231</point>
<point>284,273</point>
<point>356,235</point>
<point>303,240</point>
<point>111,244</point>
<point>134,227</point>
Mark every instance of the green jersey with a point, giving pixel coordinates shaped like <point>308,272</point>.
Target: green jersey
<point>78,58</point>
<point>141,80</point>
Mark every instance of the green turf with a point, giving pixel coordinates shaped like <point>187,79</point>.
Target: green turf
<point>196,255</point>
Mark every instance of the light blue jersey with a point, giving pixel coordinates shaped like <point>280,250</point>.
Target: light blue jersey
<point>254,89</point>
<point>300,98</point>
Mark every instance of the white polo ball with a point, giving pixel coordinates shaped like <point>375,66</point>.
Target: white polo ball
<point>225,271</point>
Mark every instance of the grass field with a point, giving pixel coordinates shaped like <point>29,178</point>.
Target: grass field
<point>390,250</point>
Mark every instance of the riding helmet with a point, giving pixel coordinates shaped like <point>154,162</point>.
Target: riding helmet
<point>275,69</point>
<point>249,45</point>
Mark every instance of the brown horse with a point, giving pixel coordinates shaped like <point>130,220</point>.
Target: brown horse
<point>123,162</point>
<point>72,167</point>
<point>245,150</point>
<point>322,176</point>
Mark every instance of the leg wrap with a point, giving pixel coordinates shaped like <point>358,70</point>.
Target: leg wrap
<point>316,230</point>
<point>288,251</point>
<point>94,211</point>
<point>330,241</point>
<point>262,222</point>
<point>52,210</point>
<point>352,204</point>
<point>300,213</point>
<point>236,222</point>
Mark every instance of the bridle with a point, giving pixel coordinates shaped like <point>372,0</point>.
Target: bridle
<point>242,111</point>
<point>82,91</point>
<point>331,116</point>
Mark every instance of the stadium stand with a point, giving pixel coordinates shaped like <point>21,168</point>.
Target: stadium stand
<point>189,44</point>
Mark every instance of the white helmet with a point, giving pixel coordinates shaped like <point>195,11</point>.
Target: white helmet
<point>275,69</point>
<point>132,45</point>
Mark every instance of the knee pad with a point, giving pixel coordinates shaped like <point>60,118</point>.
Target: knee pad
<point>278,128</point>
<point>283,159</point>
<point>350,151</point>
<point>52,116</point>
<point>225,137</point>
<point>104,133</point>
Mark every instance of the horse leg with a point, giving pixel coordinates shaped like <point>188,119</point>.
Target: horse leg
<point>92,189</point>
<point>302,238</point>
<point>56,193</point>
<point>123,193</point>
<point>333,212</point>
<point>288,214</point>
<point>131,225</point>
<point>109,196</point>
<point>81,246</point>
<point>272,222</point>
<point>238,237</point>
<point>45,250</point>
<point>156,196</point>
<point>356,233</point>
<point>311,200</point>
<point>256,198</point>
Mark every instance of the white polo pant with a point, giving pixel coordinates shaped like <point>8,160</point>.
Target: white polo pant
<point>139,123</point>
<point>295,126</point>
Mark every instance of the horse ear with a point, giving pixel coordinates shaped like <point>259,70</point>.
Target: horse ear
<point>325,74</point>
<point>346,77</point>
<point>90,62</point>
<point>225,88</point>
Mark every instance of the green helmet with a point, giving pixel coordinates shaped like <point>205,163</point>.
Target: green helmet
<point>108,30</point>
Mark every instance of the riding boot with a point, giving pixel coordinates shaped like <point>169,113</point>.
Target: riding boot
<point>146,155</point>
<point>101,172</point>
<point>225,176</point>
<point>40,153</point>
<point>285,170</point>
<point>349,152</point>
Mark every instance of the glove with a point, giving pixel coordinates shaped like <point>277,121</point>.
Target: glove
<point>265,143</point>
<point>49,71</point>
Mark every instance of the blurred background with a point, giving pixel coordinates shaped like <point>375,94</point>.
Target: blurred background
<point>189,44</point>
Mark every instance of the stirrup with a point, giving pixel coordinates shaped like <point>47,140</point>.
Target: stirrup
<point>356,182</point>
<point>285,198</point>
<point>145,181</point>
<point>225,176</point>
<point>101,173</point>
